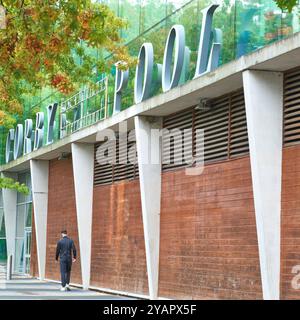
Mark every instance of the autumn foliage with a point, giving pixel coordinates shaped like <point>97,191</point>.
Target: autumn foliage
<point>43,41</point>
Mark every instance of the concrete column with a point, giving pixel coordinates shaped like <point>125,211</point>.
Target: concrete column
<point>83,171</point>
<point>264,109</point>
<point>10,214</point>
<point>149,162</point>
<point>39,170</point>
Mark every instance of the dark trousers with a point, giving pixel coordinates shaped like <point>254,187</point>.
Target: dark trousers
<point>65,271</point>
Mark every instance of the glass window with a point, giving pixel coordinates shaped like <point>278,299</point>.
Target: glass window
<point>130,10</point>
<point>113,4</point>
<point>153,11</point>
<point>22,179</point>
<point>23,227</point>
<point>19,256</point>
<point>262,22</point>
<point>27,265</point>
<point>28,198</point>
<point>2,232</point>
<point>2,250</point>
<point>28,242</point>
<point>21,197</point>
<point>2,225</point>
<point>28,215</point>
<point>20,220</point>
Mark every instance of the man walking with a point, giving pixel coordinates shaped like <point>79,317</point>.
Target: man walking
<point>64,250</point>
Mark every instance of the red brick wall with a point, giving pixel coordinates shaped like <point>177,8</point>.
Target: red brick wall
<point>34,269</point>
<point>208,234</point>
<point>208,246</point>
<point>61,215</point>
<point>118,249</point>
<point>290,221</point>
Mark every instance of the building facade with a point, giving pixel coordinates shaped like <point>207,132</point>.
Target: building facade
<point>155,228</point>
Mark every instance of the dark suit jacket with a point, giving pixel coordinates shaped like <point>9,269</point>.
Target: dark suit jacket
<point>64,249</point>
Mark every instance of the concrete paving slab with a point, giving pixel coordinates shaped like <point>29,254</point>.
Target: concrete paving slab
<point>33,289</point>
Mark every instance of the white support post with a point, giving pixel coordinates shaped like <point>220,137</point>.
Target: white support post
<point>149,162</point>
<point>39,170</point>
<point>264,109</point>
<point>10,215</point>
<point>83,171</point>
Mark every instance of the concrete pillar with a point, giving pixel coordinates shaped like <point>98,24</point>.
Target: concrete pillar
<point>10,214</point>
<point>83,171</point>
<point>39,170</point>
<point>149,163</point>
<point>264,109</point>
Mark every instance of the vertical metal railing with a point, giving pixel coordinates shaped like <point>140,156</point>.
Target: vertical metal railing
<point>82,101</point>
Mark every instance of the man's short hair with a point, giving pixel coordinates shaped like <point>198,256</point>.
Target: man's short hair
<point>64,232</point>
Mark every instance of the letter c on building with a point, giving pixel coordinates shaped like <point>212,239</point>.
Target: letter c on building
<point>143,74</point>
<point>175,39</point>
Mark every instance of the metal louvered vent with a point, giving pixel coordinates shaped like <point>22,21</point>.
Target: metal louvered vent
<point>177,129</point>
<point>239,143</point>
<point>103,173</point>
<point>123,171</point>
<point>225,132</point>
<point>291,107</point>
<point>214,122</point>
<point>118,171</point>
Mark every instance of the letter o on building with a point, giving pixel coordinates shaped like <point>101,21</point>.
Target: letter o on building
<point>143,74</point>
<point>175,41</point>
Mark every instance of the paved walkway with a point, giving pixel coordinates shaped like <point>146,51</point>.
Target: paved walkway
<point>27,288</point>
<point>22,288</point>
<point>2,271</point>
<point>33,289</point>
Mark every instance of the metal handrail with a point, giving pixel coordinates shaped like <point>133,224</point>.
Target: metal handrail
<point>77,102</point>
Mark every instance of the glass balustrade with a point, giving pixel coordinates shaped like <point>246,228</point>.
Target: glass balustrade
<point>246,25</point>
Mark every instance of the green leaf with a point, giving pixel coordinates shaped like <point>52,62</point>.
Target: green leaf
<point>8,183</point>
<point>286,5</point>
